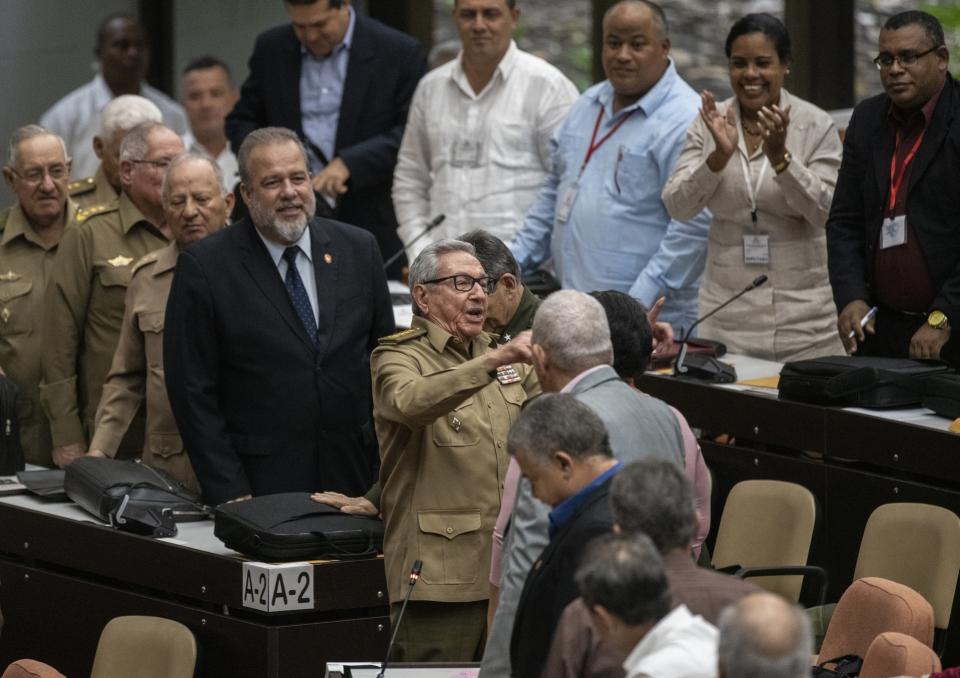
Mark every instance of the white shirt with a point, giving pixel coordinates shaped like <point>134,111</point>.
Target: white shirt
<point>681,645</point>
<point>226,160</point>
<point>477,158</point>
<point>304,265</point>
<point>76,118</point>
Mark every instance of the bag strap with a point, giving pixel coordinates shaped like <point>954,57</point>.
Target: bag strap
<point>847,666</point>
<point>856,380</point>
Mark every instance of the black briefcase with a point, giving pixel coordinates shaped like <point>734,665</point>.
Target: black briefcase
<point>131,496</point>
<point>942,395</point>
<point>11,452</point>
<point>291,526</point>
<point>865,381</point>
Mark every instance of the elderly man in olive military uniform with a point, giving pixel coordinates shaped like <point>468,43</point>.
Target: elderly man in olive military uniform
<point>195,204</point>
<point>445,396</point>
<point>84,300</point>
<point>37,172</point>
<point>117,118</point>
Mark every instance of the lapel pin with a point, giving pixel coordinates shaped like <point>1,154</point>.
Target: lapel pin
<point>328,258</point>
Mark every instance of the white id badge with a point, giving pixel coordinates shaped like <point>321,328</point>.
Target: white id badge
<point>893,232</point>
<point>566,203</point>
<point>466,153</point>
<point>756,248</point>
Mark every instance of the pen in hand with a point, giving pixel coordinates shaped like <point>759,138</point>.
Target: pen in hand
<point>863,321</point>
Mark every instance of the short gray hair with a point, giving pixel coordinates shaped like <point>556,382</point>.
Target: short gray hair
<point>24,133</point>
<point>654,497</point>
<point>188,156</point>
<point>624,574</point>
<point>558,421</point>
<point>492,253</point>
<point>266,136</point>
<point>427,264</point>
<point>136,144</point>
<point>126,112</point>
<point>764,636</point>
<point>572,329</point>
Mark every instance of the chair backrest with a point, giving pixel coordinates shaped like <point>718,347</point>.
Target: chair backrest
<point>30,668</point>
<point>872,606</point>
<point>917,545</point>
<point>146,647</point>
<point>897,654</point>
<point>767,523</point>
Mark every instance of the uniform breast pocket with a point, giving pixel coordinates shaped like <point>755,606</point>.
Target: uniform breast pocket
<point>114,280</point>
<point>151,326</point>
<point>636,176</point>
<point>15,317</point>
<point>458,427</point>
<point>450,545</point>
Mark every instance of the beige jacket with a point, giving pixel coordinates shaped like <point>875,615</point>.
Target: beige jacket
<point>442,423</point>
<point>792,316</point>
<point>137,372</point>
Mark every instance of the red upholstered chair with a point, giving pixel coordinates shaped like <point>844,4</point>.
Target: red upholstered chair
<point>29,668</point>
<point>896,654</point>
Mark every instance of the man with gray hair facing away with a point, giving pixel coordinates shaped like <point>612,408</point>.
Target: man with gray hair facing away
<point>572,353</point>
<point>764,636</point>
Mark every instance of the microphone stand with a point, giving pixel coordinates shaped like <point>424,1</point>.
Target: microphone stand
<point>414,578</point>
<point>436,221</point>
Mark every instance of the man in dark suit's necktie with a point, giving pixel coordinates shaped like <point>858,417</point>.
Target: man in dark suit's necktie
<point>298,293</point>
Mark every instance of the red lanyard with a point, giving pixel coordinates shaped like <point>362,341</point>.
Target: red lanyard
<point>895,186</point>
<point>594,144</point>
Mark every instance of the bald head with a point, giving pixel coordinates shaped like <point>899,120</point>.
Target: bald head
<point>764,636</point>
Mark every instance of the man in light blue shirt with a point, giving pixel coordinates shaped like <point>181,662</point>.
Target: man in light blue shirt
<point>599,213</point>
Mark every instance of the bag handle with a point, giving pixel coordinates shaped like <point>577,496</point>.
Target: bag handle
<point>854,381</point>
<point>346,554</point>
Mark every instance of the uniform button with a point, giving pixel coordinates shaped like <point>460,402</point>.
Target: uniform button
<point>499,443</point>
<point>449,530</point>
<point>473,380</point>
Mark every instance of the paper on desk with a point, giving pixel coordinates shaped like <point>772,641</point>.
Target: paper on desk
<point>763,382</point>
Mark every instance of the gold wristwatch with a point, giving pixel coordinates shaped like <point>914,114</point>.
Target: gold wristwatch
<point>938,320</point>
<point>783,164</point>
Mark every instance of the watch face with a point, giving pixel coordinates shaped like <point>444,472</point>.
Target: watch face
<point>937,319</point>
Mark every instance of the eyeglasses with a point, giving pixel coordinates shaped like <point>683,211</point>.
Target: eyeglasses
<point>906,60</point>
<point>465,283</point>
<point>160,165</point>
<point>35,175</point>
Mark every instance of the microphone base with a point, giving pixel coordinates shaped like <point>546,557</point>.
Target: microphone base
<point>700,367</point>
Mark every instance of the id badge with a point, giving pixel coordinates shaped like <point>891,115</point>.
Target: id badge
<point>466,153</point>
<point>566,203</point>
<point>756,248</point>
<point>893,232</point>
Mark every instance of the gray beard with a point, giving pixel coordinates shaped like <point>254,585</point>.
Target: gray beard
<point>285,230</point>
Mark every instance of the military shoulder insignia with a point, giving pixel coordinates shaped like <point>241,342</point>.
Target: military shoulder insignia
<point>144,260</point>
<point>402,336</point>
<point>85,213</point>
<point>9,276</point>
<point>506,374</point>
<point>119,261</point>
<point>81,186</point>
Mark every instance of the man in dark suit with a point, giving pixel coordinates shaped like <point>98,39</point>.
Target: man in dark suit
<point>563,448</point>
<point>343,82</point>
<point>892,233</point>
<point>269,326</point>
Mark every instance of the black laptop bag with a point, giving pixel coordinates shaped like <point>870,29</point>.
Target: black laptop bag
<point>943,395</point>
<point>11,453</point>
<point>291,526</point>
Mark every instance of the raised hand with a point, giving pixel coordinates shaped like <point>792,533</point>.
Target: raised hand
<point>723,129</point>
<point>773,127</point>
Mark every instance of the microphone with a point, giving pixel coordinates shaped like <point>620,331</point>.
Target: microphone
<point>436,221</point>
<point>679,368</point>
<point>414,578</point>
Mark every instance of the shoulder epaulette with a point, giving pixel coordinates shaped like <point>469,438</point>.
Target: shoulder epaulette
<point>85,213</point>
<point>81,186</point>
<point>143,261</point>
<point>402,336</point>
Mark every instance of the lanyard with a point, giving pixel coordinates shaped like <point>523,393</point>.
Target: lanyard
<point>895,186</point>
<point>753,191</point>
<point>594,144</point>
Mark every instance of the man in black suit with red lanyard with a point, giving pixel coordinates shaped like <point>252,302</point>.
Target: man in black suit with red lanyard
<point>892,235</point>
<point>269,328</point>
<point>343,82</point>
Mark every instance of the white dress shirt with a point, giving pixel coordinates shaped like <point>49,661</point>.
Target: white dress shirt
<point>76,118</point>
<point>227,161</point>
<point>304,265</point>
<point>681,645</point>
<point>477,158</point>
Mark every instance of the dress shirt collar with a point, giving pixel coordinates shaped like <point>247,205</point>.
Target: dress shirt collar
<point>565,511</point>
<point>677,618</point>
<point>344,44</point>
<point>648,103</point>
<point>900,117</point>
<point>577,379</point>
<point>102,92</point>
<point>504,69</point>
<point>276,251</point>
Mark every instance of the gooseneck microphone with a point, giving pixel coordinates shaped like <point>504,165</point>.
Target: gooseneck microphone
<point>436,221</point>
<point>678,366</point>
<point>414,578</point>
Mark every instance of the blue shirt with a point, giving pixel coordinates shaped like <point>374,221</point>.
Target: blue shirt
<point>564,512</point>
<point>619,235</point>
<point>321,91</point>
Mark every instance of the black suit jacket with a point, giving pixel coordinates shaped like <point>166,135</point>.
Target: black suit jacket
<point>261,407</point>
<point>933,201</point>
<point>383,70</point>
<point>550,585</point>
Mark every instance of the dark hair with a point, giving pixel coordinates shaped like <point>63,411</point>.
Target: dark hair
<point>332,4</point>
<point>624,574</point>
<point>558,421</point>
<point>654,497</point>
<point>630,332</point>
<point>492,253</point>
<point>764,23</point>
<point>659,16</point>
<point>109,19</point>
<point>511,4</point>
<point>202,63</point>
<point>929,23</point>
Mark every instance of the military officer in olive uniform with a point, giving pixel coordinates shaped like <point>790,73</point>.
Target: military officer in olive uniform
<point>30,231</point>
<point>445,396</point>
<point>85,298</point>
<point>195,205</point>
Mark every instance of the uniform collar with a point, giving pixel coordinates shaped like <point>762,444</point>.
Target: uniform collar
<point>439,337</point>
<point>167,258</point>
<point>130,214</point>
<point>648,103</point>
<point>18,226</point>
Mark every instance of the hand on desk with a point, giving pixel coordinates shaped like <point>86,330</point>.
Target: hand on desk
<point>927,341</point>
<point>63,455</point>
<point>360,506</point>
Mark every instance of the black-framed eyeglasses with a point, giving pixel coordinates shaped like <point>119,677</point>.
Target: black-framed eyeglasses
<point>465,283</point>
<point>906,60</point>
<point>35,175</point>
